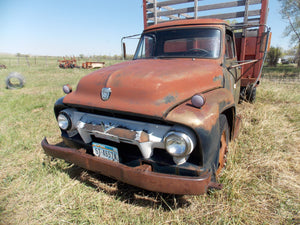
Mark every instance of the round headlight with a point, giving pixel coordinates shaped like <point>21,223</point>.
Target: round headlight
<point>178,144</point>
<point>64,121</point>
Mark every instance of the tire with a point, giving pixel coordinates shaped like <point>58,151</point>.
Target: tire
<point>248,94</point>
<point>14,75</point>
<point>251,94</point>
<point>222,147</point>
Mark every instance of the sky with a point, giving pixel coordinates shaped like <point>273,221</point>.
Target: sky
<point>89,27</point>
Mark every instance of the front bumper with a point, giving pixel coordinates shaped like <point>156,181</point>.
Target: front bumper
<point>140,176</point>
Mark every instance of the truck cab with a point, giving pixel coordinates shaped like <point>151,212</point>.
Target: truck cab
<point>205,39</point>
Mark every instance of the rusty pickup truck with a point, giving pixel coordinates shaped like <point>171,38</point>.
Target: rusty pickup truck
<point>162,121</point>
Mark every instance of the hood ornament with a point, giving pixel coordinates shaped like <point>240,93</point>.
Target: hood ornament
<point>105,93</point>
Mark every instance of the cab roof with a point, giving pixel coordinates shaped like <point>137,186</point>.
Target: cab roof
<point>187,22</point>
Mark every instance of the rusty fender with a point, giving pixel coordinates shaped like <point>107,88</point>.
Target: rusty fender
<point>140,176</point>
<point>205,121</point>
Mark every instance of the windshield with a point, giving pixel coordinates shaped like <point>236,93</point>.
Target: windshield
<point>195,43</point>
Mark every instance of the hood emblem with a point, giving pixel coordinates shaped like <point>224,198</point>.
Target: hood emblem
<point>105,94</point>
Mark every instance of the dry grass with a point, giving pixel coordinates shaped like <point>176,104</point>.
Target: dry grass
<point>261,183</point>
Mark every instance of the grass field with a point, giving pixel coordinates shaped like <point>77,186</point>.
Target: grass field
<point>261,183</point>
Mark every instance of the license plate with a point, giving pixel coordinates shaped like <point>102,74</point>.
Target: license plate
<point>106,152</point>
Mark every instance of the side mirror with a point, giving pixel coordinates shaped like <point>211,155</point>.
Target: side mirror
<point>124,50</point>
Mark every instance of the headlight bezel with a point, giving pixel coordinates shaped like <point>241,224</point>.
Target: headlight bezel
<point>63,117</point>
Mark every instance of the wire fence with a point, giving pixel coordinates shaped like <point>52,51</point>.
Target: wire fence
<point>32,61</point>
<point>286,78</point>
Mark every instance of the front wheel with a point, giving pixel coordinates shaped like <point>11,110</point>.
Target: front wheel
<point>223,145</point>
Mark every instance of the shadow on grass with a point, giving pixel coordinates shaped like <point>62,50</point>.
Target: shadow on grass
<point>125,192</point>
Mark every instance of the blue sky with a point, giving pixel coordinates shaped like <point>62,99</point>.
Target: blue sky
<point>89,27</point>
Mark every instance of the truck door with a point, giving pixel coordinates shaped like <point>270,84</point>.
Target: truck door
<point>232,74</point>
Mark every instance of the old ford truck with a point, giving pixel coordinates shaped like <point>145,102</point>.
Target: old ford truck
<point>163,120</point>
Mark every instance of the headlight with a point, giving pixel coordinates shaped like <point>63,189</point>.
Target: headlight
<point>64,121</point>
<point>178,144</point>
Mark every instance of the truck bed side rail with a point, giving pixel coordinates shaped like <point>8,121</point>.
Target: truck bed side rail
<point>240,12</point>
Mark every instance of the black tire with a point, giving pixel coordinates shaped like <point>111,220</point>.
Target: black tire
<point>248,94</point>
<point>222,147</point>
<point>242,95</point>
<point>251,94</point>
<point>14,75</point>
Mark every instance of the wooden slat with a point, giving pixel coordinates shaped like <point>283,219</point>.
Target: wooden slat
<point>232,15</point>
<point>170,17</point>
<point>227,5</point>
<point>195,9</point>
<point>167,3</point>
<point>252,21</point>
<point>155,11</point>
<point>246,16</point>
<point>181,14</point>
<point>172,12</point>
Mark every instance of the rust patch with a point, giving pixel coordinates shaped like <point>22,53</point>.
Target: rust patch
<point>217,78</point>
<point>207,116</point>
<point>167,100</point>
<point>144,168</point>
<point>94,127</point>
<point>144,137</point>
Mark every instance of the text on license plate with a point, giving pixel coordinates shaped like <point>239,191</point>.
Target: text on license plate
<point>106,152</point>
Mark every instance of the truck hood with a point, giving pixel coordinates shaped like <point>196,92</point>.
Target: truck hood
<point>149,87</point>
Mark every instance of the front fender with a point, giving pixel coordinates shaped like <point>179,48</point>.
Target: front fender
<point>58,106</point>
<point>205,122</point>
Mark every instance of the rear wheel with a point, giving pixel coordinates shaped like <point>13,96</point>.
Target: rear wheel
<point>251,94</point>
<point>248,93</point>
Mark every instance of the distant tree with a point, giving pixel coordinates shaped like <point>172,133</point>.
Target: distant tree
<point>81,56</point>
<point>290,10</point>
<point>291,51</point>
<point>291,54</point>
<point>116,57</point>
<point>273,56</point>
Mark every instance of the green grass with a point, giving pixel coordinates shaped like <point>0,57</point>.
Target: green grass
<point>261,182</point>
<point>282,71</point>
